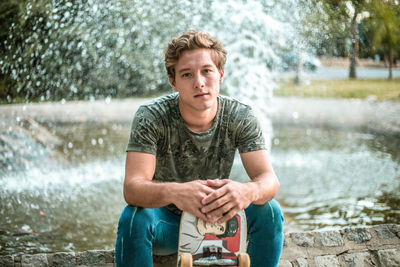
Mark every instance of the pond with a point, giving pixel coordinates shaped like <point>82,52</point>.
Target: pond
<point>329,179</point>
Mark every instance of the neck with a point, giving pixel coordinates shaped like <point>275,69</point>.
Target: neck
<point>198,120</point>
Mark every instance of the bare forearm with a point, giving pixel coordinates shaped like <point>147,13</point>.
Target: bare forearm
<point>148,194</point>
<point>263,188</point>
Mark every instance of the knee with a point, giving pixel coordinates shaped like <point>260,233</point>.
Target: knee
<point>134,220</point>
<point>270,215</point>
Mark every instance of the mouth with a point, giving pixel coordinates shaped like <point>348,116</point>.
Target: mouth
<point>201,95</point>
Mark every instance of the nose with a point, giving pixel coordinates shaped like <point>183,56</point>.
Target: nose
<point>199,81</point>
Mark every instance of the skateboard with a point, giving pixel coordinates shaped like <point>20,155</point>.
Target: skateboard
<point>211,244</point>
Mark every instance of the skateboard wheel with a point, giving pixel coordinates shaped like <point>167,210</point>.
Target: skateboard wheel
<point>186,260</point>
<point>243,260</point>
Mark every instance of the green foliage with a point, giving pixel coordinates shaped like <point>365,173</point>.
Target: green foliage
<point>9,11</point>
<point>385,23</point>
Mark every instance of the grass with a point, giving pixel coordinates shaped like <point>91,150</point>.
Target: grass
<point>379,89</point>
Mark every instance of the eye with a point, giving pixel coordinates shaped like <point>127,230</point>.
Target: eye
<point>207,71</point>
<point>186,75</point>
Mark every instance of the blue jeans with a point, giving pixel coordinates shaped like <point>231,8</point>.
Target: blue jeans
<point>142,232</point>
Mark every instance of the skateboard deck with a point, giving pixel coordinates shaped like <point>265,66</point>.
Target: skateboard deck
<point>212,244</point>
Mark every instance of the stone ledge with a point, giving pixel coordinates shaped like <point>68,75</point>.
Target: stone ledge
<point>352,246</point>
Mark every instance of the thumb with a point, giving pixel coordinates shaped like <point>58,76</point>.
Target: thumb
<point>216,183</point>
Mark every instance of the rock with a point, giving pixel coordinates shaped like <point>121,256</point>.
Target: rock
<point>331,238</point>
<point>383,232</point>
<point>109,254</point>
<point>395,229</point>
<point>303,239</point>
<point>93,257</point>
<point>7,261</point>
<point>302,262</point>
<point>358,235</point>
<point>64,259</point>
<point>36,260</point>
<point>389,257</point>
<point>326,261</point>
<point>362,259</point>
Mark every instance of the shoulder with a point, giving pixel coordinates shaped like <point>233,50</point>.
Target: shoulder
<point>234,108</point>
<point>159,107</point>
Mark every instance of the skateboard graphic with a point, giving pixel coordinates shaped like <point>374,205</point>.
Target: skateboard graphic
<point>211,244</point>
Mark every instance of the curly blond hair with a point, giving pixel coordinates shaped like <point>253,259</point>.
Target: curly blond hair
<point>193,40</point>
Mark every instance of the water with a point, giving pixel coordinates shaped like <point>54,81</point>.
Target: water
<point>329,179</point>
<point>332,179</point>
<point>71,207</point>
<point>343,73</point>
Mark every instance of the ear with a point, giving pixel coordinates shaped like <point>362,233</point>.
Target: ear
<point>221,78</point>
<point>172,83</point>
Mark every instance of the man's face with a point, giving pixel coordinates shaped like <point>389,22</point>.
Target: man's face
<point>197,80</point>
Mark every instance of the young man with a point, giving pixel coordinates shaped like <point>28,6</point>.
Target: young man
<point>180,155</point>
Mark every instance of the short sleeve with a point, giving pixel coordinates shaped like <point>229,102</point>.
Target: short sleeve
<point>144,132</point>
<point>249,134</point>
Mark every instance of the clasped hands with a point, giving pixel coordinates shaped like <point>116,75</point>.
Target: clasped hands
<point>214,200</point>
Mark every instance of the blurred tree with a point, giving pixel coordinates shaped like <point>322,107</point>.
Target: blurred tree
<point>348,15</point>
<point>9,14</point>
<point>385,23</point>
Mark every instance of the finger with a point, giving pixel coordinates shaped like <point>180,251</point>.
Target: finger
<point>213,196</point>
<point>207,190</point>
<point>216,204</point>
<point>227,216</point>
<point>199,214</point>
<point>220,212</point>
<point>217,183</point>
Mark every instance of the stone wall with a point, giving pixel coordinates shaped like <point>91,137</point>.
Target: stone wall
<point>353,246</point>
<point>362,246</point>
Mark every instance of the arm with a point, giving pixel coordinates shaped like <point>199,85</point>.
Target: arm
<point>231,196</point>
<point>140,190</point>
<point>265,184</point>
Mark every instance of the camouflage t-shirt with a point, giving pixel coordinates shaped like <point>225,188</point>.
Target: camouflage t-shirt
<point>183,155</point>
